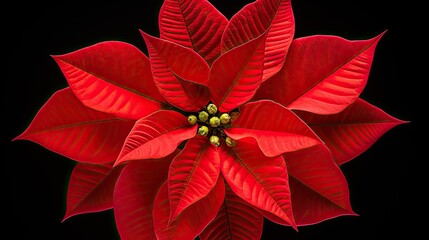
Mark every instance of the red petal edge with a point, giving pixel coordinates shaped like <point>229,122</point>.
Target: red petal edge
<point>156,136</point>
<point>274,16</point>
<point>236,75</point>
<point>91,188</point>
<point>352,131</point>
<point>67,127</point>
<point>112,77</point>
<point>134,196</point>
<point>193,220</point>
<point>194,24</point>
<point>339,73</point>
<point>192,175</point>
<point>259,180</point>
<point>236,220</point>
<point>275,128</point>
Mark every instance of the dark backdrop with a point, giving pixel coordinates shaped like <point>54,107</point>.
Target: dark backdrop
<point>382,181</point>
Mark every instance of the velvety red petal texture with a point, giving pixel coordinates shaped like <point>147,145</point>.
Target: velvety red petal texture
<point>275,128</point>
<point>352,131</point>
<point>192,175</point>
<point>322,74</point>
<point>156,136</point>
<point>274,16</point>
<point>194,24</point>
<point>236,220</point>
<point>259,180</point>
<point>125,119</point>
<point>193,220</point>
<point>65,126</point>
<point>112,77</point>
<point>134,196</point>
<point>318,187</point>
<point>236,75</point>
<point>175,69</point>
<point>91,188</point>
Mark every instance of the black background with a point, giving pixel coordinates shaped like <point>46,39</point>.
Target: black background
<point>385,188</point>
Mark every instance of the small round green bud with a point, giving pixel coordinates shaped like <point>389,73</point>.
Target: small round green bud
<point>214,121</point>
<point>234,115</point>
<point>212,109</point>
<point>192,119</point>
<point>224,118</point>
<point>203,130</point>
<point>230,142</point>
<point>214,140</point>
<point>203,116</point>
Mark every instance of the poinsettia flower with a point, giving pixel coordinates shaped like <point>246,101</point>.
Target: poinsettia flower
<point>224,123</point>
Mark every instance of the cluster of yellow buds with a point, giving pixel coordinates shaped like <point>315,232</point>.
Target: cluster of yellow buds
<point>211,123</point>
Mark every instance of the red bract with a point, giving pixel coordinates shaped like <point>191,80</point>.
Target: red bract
<point>225,123</point>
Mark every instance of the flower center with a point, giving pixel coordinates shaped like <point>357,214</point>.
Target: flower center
<point>212,123</point>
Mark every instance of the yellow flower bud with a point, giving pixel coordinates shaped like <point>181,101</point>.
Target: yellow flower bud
<point>224,118</point>
<point>212,109</point>
<point>203,130</point>
<point>192,119</point>
<point>214,140</point>
<point>203,116</point>
<point>230,142</point>
<point>214,121</point>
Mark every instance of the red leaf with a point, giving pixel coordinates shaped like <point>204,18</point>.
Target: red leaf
<point>156,136</point>
<point>236,75</point>
<point>318,187</point>
<point>322,74</point>
<point>236,220</point>
<point>174,68</point>
<point>134,197</point>
<point>352,131</point>
<point>65,126</point>
<point>276,129</point>
<point>112,77</point>
<point>91,188</point>
<point>259,180</point>
<point>193,220</point>
<point>193,24</point>
<point>193,173</point>
<point>254,19</point>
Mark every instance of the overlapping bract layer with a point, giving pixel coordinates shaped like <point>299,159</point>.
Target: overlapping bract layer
<point>300,118</point>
